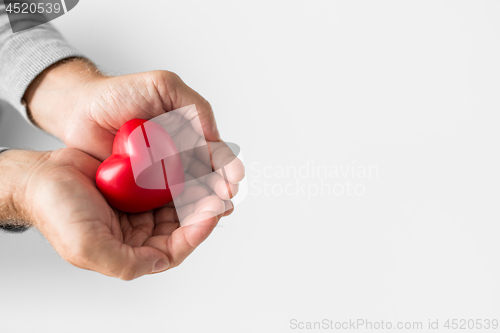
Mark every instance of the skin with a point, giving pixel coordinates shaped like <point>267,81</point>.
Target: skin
<point>56,193</point>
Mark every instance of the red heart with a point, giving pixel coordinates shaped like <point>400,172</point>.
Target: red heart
<point>144,170</point>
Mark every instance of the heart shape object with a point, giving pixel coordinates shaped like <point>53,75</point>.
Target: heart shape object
<point>144,170</point>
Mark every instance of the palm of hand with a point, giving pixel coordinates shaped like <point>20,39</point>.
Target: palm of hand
<point>90,234</point>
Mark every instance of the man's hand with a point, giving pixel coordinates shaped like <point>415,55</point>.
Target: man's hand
<point>56,193</point>
<point>85,109</point>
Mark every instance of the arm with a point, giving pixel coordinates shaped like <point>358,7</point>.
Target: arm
<point>15,165</point>
<point>23,56</point>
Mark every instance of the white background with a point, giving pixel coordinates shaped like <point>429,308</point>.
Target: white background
<point>410,88</point>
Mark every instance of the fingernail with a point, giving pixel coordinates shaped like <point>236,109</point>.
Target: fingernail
<point>160,265</point>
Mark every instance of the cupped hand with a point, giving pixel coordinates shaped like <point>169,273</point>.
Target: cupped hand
<point>85,109</point>
<point>76,219</point>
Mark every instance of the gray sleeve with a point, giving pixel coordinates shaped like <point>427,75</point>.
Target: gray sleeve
<point>25,54</point>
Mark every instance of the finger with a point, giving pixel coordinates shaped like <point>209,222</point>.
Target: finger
<point>190,195</point>
<point>185,211</point>
<point>226,163</point>
<point>166,221</point>
<point>187,140</point>
<point>229,207</point>
<point>224,189</point>
<point>223,161</point>
<point>165,229</point>
<point>172,122</point>
<point>184,240</point>
<point>109,256</point>
<point>166,214</point>
<point>208,204</point>
<point>185,96</point>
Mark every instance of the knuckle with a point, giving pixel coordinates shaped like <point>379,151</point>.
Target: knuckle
<point>166,76</point>
<point>78,256</point>
<point>206,104</point>
<point>128,273</point>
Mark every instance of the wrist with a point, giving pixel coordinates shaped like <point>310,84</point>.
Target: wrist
<point>52,99</point>
<point>16,170</point>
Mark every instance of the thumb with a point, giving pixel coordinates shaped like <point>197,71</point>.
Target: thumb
<point>114,258</point>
